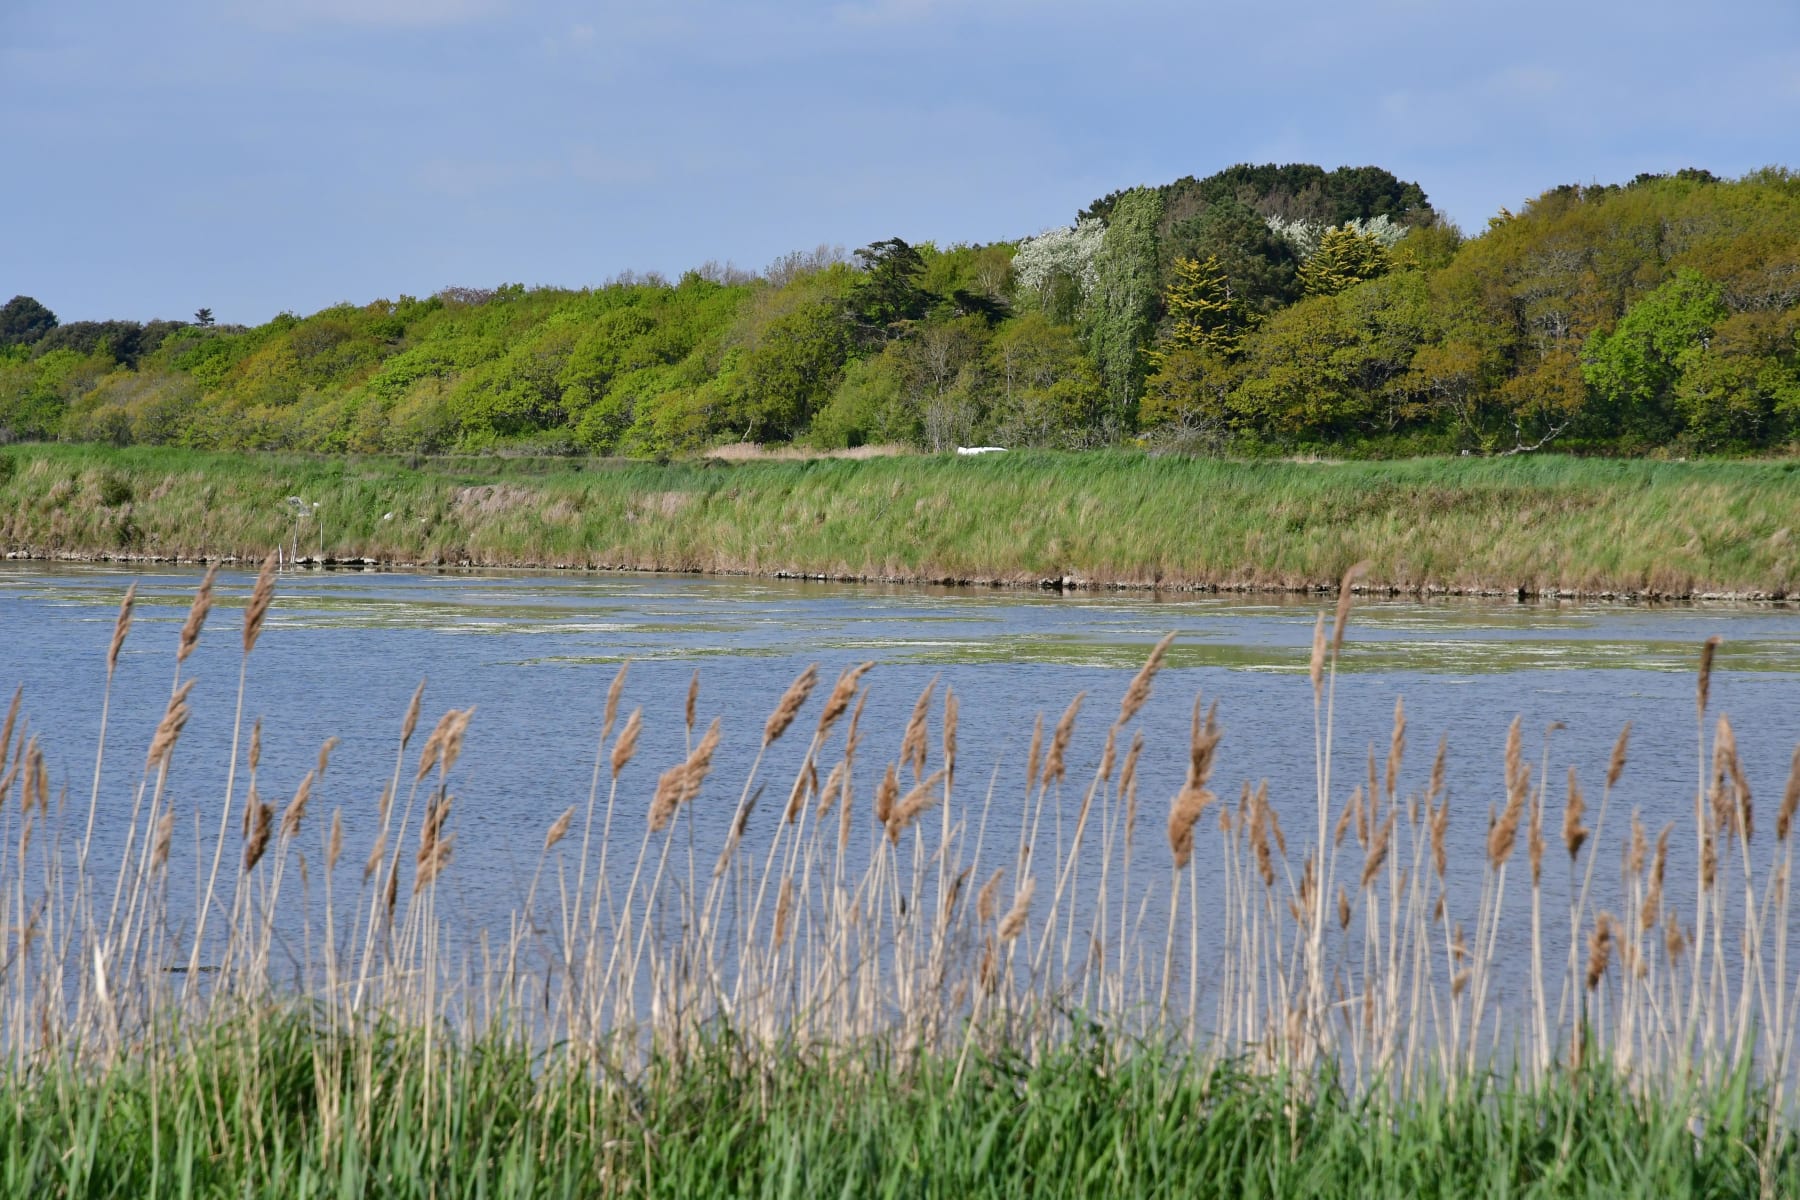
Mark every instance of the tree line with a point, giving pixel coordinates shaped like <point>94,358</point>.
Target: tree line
<point>1262,309</point>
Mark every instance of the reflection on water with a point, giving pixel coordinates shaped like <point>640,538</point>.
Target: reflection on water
<point>535,652</point>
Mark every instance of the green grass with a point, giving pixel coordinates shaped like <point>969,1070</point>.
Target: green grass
<point>272,1106</point>
<point>1532,523</point>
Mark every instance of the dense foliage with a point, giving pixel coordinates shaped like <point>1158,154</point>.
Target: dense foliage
<point>1259,309</point>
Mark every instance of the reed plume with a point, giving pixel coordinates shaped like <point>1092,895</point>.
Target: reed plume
<point>789,705</point>
<point>922,797</point>
<point>681,783</point>
<point>611,711</point>
<point>261,596</point>
<point>168,730</point>
<point>296,809</point>
<point>559,828</point>
<point>1013,923</point>
<point>165,831</point>
<point>1600,947</point>
<point>1574,833</point>
<point>1615,766</point>
<point>1378,852</point>
<point>411,720</point>
<point>1137,694</point>
<point>1658,861</point>
<point>1055,761</point>
<point>261,816</point>
<point>838,702</point>
<point>885,794</point>
<point>1345,587</point>
<point>949,738</point>
<point>1704,687</point>
<point>1184,812</point>
<point>984,899</point>
<point>121,627</point>
<point>1033,758</point>
<point>196,616</point>
<point>626,746</point>
<point>335,846</point>
<point>913,741</point>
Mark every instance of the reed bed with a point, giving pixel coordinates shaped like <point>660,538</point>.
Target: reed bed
<point>1531,523</point>
<point>861,947</point>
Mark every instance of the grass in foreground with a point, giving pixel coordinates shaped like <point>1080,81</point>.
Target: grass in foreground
<point>275,1106</point>
<point>1534,523</point>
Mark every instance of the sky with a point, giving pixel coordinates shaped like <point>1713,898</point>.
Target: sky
<point>259,156</point>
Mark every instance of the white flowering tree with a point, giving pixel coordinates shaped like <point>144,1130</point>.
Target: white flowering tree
<point>1057,266</point>
<point>1304,234</point>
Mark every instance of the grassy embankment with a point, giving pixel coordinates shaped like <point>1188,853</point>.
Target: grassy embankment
<point>886,999</point>
<point>1535,523</point>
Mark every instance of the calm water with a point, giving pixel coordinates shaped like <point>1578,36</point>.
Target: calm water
<point>342,653</point>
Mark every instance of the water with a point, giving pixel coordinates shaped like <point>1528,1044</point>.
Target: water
<point>342,652</point>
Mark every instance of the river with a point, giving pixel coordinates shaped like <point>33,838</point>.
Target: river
<point>535,652</point>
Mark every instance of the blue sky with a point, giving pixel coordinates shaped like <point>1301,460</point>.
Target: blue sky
<point>260,155</point>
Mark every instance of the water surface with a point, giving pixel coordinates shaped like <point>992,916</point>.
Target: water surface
<point>535,652</point>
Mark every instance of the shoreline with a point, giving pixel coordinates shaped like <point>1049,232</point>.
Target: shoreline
<point>1067,584</point>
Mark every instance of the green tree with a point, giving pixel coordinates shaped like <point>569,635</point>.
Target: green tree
<point>791,372</point>
<point>1259,263</point>
<point>888,293</point>
<point>1045,392</point>
<point>23,321</point>
<point>1635,368</point>
<point>1121,312</point>
<point>1344,259</point>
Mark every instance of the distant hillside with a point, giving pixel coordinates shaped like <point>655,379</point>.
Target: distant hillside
<point>1262,309</point>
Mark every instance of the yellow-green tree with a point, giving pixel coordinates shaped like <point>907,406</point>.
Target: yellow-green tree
<point>1344,259</point>
<point>1205,312</point>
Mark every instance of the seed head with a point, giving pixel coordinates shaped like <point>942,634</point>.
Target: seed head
<point>681,783</point>
<point>1573,831</point>
<point>1184,812</point>
<point>1138,693</point>
<point>121,627</point>
<point>912,743</point>
<point>1343,605</point>
<point>984,899</point>
<point>196,617</point>
<point>922,797</point>
<point>1055,764</point>
<point>838,702</point>
<point>168,731</point>
<point>612,700</point>
<point>885,794</point>
<point>261,596</point>
<point>335,846</point>
<point>1013,923</point>
<point>1616,767</point>
<point>626,746</point>
<point>411,721</point>
<point>1707,650</point>
<point>296,809</point>
<point>1600,947</point>
<point>789,706</point>
<point>559,828</point>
